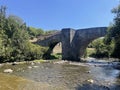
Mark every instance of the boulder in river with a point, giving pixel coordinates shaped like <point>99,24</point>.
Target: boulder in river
<point>8,71</point>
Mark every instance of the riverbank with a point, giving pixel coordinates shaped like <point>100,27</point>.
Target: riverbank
<point>85,62</point>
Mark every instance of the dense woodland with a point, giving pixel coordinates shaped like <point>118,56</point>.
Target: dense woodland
<point>15,36</point>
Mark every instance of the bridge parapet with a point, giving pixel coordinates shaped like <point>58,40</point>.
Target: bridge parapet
<point>50,39</point>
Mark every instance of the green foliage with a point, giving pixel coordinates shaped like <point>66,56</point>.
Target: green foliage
<point>101,49</point>
<point>34,32</point>
<point>16,19</point>
<point>56,56</point>
<point>14,40</point>
<point>50,32</point>
<point>34,51</point>
<point>114,33</point>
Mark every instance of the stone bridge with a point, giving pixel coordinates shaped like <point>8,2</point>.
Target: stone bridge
<point>74,42</point>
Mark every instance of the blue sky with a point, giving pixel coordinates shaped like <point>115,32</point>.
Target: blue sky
<point>58,14</point>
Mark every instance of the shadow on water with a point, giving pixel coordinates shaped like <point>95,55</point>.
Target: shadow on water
<point>97,87</point>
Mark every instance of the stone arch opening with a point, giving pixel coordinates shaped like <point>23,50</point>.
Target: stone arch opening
<point>91,48</point>
<point>57,51</point>
<point>54,51</point>
<point>49,41</point>
<point>79,47</point>
<point>75,41</point>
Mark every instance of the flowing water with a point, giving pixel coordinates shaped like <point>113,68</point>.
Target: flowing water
<point>60,76</point>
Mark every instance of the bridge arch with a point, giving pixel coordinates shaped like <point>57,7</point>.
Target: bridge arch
<point>47,55</point>
<point>50,41</point>
<point>78,40</point>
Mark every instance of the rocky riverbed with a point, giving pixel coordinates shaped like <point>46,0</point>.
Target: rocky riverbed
<point>61,75</point>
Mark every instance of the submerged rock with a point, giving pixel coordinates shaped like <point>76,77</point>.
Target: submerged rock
<point>8,71</point>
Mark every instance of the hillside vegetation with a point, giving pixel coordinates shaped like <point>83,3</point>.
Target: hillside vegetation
<point>14,39</point>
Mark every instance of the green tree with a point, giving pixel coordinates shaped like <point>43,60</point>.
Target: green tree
<point>101,49</point>
<point>14,40</point>
<point>114,33</point>
<point>34,32</point>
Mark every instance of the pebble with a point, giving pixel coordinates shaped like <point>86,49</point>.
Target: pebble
<point>90,80</point>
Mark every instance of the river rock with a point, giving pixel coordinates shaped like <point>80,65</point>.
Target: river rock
<point>1,65</point>
<point>90,81</point>
<point>88,71</point>
<point>32,63</point>
<point>15,63</point>
<point>29,67</point>
<point>8,71</point>
<point>35,66</point>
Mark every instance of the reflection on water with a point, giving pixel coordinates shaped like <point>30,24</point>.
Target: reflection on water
<point>68,76</point>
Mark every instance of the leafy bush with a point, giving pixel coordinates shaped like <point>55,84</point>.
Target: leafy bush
<point>101,49</point>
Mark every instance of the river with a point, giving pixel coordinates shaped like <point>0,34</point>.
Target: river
<point>60,76</point>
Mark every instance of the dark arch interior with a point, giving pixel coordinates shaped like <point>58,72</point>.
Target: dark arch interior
<point>51,51</point>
